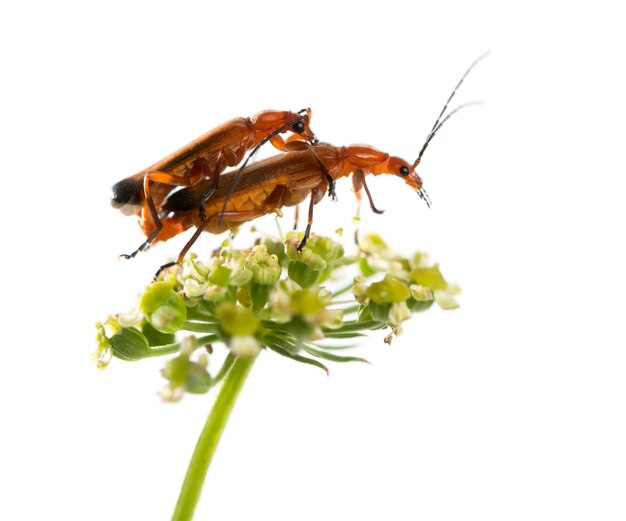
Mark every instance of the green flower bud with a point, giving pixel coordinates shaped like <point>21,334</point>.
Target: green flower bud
<point>421,298</point>
<point>267,275</point>
<point>265,268</point>
<point>313,264</point>
<point>220,276</point>
<point>242,277</point>
<point>374,243</point>
<point>111,326</point>
<point>236,320</point>
<point>302,273</point>
<point>215,293</point>
<point>193,288</point>
<point>359,289</point>
<point>155,296</point>
<point>162,318</point>
<point>305,302</point>
<point>164,308</point>
<point>331,251</point>
<point>429,277</point>
<point>303,309</point>
<point>275,248</point>
<point>103,354</point>
<point>183,374</point>
<point>307,256</point>
<point>387,290</point>
<point>243,297</point>
<point>195,269</point>
<point>198,380</point>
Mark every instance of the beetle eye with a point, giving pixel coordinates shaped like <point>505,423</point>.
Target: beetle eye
<point>404,170</point>
<point>299,126</point>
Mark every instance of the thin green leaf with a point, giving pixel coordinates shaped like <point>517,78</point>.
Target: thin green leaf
<point>226,367</point>
<point>343,290</point>
<point>207,339</point>
<point>281,339</point>
<point>334,334</point>
<point>200,327</point>
<point>335,347</point>
<point>298,358</point>
<point>331,357</point>
<point>350,309</point>
<point>200,313</point>
<point>357,325</point>
<point>168,349</point>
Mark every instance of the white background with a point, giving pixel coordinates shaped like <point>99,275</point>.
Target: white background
<point>510,408</point>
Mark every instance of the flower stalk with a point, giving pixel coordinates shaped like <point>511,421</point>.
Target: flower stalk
<point>210,437</point>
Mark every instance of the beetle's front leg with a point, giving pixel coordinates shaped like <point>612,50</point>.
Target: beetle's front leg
<point>358,182</point>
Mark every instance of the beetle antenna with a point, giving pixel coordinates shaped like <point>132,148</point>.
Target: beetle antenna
<point>439,121</point>
<point>440,124</point>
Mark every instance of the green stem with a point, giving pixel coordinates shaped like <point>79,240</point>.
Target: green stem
<point>209,438</point>
<point>168,349</point>
<point>200,327</point>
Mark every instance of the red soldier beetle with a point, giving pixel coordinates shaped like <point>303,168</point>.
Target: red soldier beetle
<point>285,180</point>
<point>204,159</point>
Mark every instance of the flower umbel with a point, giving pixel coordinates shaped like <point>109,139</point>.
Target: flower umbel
<point>271,297</point>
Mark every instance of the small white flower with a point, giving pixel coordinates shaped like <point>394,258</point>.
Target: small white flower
<point>193,288</point>
<point>163,317</point>
<point>445,300</point>
<point>398,313</point>
<point>244,346</point>
<point>420,292</point>
<point>129,319</point>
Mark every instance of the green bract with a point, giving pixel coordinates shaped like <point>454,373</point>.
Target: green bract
<point>272,296</point>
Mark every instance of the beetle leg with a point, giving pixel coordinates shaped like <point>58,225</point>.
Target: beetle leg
<point>206,195</point>
<point>327,176</point>
<point>369,196</point>
<point>230,217</point>
<point>358,182</point>
<point>276,140</point>
<point>296,216</point>
<point>314,198</point>
<point>149,214</point>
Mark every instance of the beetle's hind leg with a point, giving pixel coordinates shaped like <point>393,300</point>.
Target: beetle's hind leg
<point>149,214</point>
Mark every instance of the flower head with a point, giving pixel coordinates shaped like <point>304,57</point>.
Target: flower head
<point>270,296</point>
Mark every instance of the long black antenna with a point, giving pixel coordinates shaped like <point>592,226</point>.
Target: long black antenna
<point>439,121</point>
